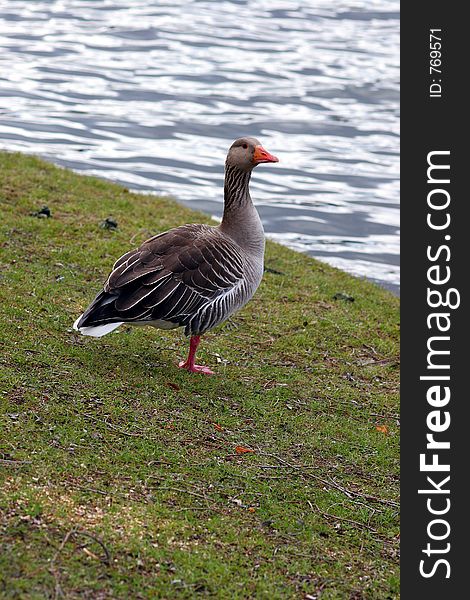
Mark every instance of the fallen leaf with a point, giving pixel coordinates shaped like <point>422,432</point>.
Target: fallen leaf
<point>242,450</point>
<point>382,428</point>
<point>251,509</point>
<point>175,386</point>
<point>217,426</point>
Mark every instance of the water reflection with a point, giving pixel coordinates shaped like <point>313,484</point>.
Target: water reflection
<point>151,95</point>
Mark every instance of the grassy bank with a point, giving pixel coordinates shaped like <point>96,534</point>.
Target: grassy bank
<point>125,477</point>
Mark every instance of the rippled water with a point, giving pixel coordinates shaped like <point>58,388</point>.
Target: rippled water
<point>151,94</point>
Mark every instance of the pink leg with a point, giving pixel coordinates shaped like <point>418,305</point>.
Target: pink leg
<point>188,364</point>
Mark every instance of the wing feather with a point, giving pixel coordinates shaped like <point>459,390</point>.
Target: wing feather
<point>174,277</point>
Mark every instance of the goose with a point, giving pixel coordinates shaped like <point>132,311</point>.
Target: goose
<point>193,276</point>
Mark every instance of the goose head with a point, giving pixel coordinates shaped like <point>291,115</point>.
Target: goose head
<point>246,153</point>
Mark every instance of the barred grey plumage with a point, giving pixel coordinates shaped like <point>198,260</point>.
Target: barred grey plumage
<point>193,276</point>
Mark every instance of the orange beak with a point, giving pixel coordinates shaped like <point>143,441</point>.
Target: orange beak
<point>262,156</point>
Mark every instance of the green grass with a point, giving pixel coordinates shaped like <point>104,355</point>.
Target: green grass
<point>120,472</point>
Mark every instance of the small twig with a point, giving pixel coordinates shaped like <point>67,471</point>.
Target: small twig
<point>192,508</point>
<point>119,429</point>
<point>257,466</point>
<point>86,489</point>
<point>335,517</point>
<point>173,489</point>
<point>107,556</point>
<point>350,493</point>
<point>182,491</point>
<point>61,547</point>
<point>90,553</point>
<point>72,532</point>
<point>331,483</point>
<point>58,593</point>
<point>386,416</point>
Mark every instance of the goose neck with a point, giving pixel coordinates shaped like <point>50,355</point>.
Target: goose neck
<point>236,188</point>
<point>241,220</point>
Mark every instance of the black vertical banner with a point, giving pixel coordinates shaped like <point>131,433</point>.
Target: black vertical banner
<point>435,258</point>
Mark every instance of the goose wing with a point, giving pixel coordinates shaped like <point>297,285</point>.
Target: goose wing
<point>169,278</point>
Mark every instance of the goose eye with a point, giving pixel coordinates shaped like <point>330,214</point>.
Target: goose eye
<point>245,146</point>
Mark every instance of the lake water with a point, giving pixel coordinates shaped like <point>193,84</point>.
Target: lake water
<point>151,94</point>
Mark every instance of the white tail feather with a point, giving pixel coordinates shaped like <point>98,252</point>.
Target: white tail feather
<point>98,330</point>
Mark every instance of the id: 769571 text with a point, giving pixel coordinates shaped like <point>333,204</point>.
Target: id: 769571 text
<point>435,62</point>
